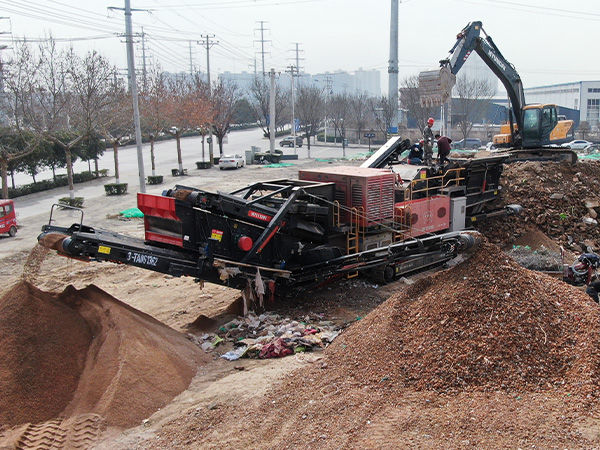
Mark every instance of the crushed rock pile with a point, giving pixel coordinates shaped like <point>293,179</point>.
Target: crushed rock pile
<point>84,352</point>
<point>561,200</point>
<point>486,324</point>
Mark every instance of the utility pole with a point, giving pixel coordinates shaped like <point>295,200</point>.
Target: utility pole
<point>393,63</point>
<point>298,71</point>
<point>208,44</point>
<point>144,71</point>
<point>328,87</point>
<point>291,71</point>
<point>191,59</point>
<point>134,92</point>
<point>272,112</point>
<point>262,43</point>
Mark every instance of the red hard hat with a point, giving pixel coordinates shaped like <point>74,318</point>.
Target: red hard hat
<point>430,120</point>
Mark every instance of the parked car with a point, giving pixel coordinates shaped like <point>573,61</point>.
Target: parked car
<point>289,141</point>
<point>592,148</point>
<point>470,143</point>
<point>231,162</point>
<point>577,144</point>
<point>267,156</point>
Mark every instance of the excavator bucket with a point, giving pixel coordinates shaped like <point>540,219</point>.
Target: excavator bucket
<point>435,86</point>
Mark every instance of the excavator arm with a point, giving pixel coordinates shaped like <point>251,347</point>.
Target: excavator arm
<point>468,40</point>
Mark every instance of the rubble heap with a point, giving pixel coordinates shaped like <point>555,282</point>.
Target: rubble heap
<point>561,200</point>
<point>486,324</point>
<point>267,336</point>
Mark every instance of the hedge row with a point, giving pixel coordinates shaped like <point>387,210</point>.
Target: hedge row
<point>59,181</point>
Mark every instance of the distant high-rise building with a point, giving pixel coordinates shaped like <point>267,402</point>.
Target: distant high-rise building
<point>340,82</point>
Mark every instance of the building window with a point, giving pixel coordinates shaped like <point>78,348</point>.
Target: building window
<point>576,103</point>
<point>593,90</point>
<point>593,111</point>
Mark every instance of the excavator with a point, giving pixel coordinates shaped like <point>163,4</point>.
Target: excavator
<point>533,132</point>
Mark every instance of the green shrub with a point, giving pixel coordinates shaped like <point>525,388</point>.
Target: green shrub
<point>115,188</point>
<point>77,202</point>
<point>156,179</point>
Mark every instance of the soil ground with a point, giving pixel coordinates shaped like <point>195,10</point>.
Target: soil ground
<point>355,394</point>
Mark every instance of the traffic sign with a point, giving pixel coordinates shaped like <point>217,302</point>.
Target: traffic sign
<point>369,135</point>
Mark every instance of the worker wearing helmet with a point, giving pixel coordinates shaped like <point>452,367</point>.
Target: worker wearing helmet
<point>428,142</point>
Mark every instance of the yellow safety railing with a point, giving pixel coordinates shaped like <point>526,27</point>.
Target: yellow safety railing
<point>356,233</point>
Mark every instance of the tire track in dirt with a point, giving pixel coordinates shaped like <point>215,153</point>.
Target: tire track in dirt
<point>78,433</point>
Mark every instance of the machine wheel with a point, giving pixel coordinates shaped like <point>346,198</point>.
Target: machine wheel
<point>13,231</point>
<point>221,168</point>
<point>383,274</point>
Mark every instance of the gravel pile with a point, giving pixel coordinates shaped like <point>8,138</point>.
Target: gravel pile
<point>561,200</point>
<point>487,324</point>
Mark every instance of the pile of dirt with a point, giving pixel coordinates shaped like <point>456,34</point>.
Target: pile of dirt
<point>442,363</point>
<point>43,348</point>
<point>487,324</point>
<point>561,200</point>
<point>84,352</point>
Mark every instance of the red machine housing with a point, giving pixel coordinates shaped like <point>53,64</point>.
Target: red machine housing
<point>370,191</point>
<point>425,215</point>
<point>161,224</point>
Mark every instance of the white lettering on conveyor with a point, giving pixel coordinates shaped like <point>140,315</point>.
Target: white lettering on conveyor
<point>146,260</point>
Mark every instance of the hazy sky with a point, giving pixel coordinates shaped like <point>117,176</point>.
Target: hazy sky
<point>548,41</point>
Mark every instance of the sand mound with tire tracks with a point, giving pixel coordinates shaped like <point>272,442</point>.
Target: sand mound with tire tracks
<point>82,353</point>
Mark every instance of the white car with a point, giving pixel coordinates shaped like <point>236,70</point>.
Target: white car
<point>577,144</point>
<point>231,162</point>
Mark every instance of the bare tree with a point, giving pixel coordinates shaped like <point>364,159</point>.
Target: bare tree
<point>259,100</point>
<point>200,108</point>
<point>154,120</point>
<point>339,112</point>
<point>103,104</point>
<point>46,100</point>
<point>224,98</point>
<point>410,100</point>
<point>361,110</point>
<point>384,112</point>
<point>472,103</point>
<point>310,109</point>
<point>178,105</point>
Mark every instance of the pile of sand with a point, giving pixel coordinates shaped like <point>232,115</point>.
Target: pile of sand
<point>84,352</point>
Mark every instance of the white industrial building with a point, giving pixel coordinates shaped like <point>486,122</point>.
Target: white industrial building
<point>583,96</point>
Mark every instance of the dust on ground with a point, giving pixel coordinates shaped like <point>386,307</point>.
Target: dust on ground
<point>483,355</point>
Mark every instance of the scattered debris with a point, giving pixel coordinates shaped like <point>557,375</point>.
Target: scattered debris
<point>267,336</point>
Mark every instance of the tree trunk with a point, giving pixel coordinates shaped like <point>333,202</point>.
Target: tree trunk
<point>152,155</point>
<point>4,172</point>
<point>70,172</point>
<point>116,155</point>
<point>96,168</point>
<point>179,161</point>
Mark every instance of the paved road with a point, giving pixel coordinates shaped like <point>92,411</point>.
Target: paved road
<point>34,210</point>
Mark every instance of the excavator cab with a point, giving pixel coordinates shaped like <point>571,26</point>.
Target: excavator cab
<point>541,126</point>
